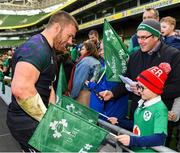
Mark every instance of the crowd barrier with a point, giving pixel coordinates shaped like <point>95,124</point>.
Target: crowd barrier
<point>113,144</point>
<point>7,95</point>
<point>120,130</point>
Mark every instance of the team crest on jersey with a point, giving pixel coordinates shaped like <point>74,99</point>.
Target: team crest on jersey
<point>136,130</point>
<point>147,115</point>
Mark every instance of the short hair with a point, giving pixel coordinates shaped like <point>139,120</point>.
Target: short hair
<point>170,20</point>
<point>63,18</point>
<point>154,11</point>
<point>91,32</point>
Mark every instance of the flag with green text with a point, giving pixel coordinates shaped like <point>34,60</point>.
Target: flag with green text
<point>115,53</point>
<point>62,84</point>
<point>80,110</point>
<point>62,131</point>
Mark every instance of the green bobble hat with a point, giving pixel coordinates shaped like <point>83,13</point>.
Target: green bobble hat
<point>151,26</point>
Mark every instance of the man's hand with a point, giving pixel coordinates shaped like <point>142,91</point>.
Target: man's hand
<point>106,95</point>
<point>124,139</point>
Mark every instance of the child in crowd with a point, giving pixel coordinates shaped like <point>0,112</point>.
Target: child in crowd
<point>174,115</point>
<point>169,36</point>
<point>87,67</point>
<point>151,115</point>
<point>114,107</point>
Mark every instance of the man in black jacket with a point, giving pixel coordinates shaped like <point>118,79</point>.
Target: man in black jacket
<point>152,52</point>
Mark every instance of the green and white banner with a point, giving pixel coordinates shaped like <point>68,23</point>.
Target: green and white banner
<point>62,86</point>
<point>62,131</point>
<point>115,53</point>
<point>74,107</point>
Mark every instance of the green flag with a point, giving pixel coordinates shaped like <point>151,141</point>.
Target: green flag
<point>3,82</point>
<point>115,53</point>
<point>62,84</point>
<point>80,110</point>
<point>62,131</point>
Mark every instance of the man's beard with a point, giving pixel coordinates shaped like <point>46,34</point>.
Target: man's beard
<point>62,50</point>
<point>58,47</point>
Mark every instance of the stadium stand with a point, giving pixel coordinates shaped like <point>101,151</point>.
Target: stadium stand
<point>89,14</point>
<point>23,18</point>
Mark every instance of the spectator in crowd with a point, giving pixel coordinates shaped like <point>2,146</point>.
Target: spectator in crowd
<point>94,37</point>
<point>151,115</point>
<point>86,68</point>
<point>117,108</point>
<point>64,58</point>
<point>34,71</point>
<point>149,13</point>
<point>2,79</point>
<point>172,38</point>
<point>174,115</point>
<point>7,68</point>
<point>153,51</point>
<point>177,31</point>
<point>168,25</point>
<point>5,62</point>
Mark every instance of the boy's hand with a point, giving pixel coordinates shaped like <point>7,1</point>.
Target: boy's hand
<point>124,139</point>
<point>86,82</point>
<point>113,120</point>
<point>133,88</point>
<point>106,95</point>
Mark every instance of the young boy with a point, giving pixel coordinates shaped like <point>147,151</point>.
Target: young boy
<point>151,115</point>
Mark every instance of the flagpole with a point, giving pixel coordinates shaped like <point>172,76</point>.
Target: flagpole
<point>104,115</point>
<point>112,134</point>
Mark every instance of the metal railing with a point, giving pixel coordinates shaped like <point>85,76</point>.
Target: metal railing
<point>120,130</point>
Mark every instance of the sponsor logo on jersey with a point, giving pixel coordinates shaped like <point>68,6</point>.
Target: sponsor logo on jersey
<point>136,130</point>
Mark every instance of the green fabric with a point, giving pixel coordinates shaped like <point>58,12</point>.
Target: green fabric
<point>131,48</point>
<point>137,149</point>
<point>115,54</point>
<point>3,87</point>
<point>62,84</point>
<point>1,76</point>
<point>3,83</point>
<point>80,110</point>
<point>62,131</point>
<point>150,120</point>
<point>6,62</point>
<point>157,122</point>
<point>150,29</point>
<point>74,54</point>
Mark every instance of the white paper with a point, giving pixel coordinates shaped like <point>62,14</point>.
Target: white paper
<point>126,80</point>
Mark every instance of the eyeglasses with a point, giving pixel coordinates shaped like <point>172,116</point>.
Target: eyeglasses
<point>140,88</point>
<point>144,37</point>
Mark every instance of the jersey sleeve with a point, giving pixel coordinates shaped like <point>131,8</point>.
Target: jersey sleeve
<point>34,54</point>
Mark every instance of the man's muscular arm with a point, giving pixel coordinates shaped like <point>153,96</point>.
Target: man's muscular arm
<point>23,88</point>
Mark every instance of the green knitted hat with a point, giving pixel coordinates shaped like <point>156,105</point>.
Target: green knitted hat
<point>151,26</point>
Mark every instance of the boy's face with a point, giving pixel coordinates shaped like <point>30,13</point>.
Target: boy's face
<point>145,93</point>
<point>166,29</point>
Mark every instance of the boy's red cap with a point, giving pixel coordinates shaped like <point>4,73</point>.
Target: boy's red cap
<point>155,77</point>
